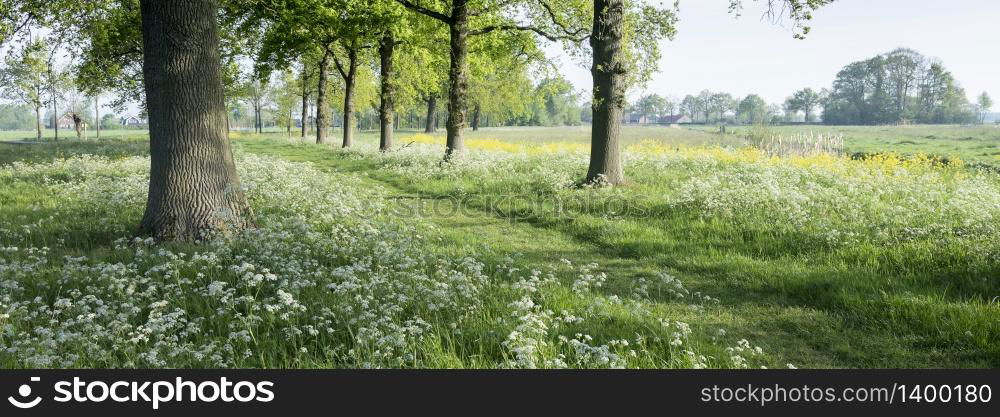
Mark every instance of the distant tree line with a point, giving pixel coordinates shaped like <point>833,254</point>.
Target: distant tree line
<point>901,86</point>
<point>705,107</point>
<point>895,87</point>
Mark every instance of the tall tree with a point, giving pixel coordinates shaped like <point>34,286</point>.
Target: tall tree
<point>430,125</point>
<point>306,72</point>
<point>257,90</point>
<point>651,106</point>
<point>893,87</point>
<point>468,18</point>
<point>337,31</point>
<point>691,106</point>
<point>22,78</point>
<point>608,70</point>
<point>349,73</point>
<point>97,115</point>
<point>753,109</point>
<point>806,101</point>
<point>624,51</point>
<point>985,103</point>
<point>387,91</point>
<point>721,104</point>
<point>193,184</point>
<point>56,79</point>
<point>399,29</point>
<point>285,97</point>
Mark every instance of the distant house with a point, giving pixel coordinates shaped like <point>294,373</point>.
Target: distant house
<point>132,121</point>
<point>675,120</point>
<point>637,118</point>
<point>65,122</point>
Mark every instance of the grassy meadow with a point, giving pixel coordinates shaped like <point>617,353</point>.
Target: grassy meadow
<point>976,144</point>
<point>715,254</point>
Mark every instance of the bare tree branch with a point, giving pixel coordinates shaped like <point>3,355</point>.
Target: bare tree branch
<point>541,32</point>
<point>425,11</point>
<point>576,35</point>
<point>552,15</point>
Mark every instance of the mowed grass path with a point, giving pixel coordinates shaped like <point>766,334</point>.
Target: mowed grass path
<point>807,307</point>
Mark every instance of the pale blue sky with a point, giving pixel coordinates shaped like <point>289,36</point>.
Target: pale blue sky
<point>748,55</point>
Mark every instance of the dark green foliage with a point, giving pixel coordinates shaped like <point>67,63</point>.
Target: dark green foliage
<point>897,87</point>
<point>16,117</point>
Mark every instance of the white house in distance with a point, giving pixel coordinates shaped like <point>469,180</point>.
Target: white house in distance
<point>672,121</point>
<point>132,121</point>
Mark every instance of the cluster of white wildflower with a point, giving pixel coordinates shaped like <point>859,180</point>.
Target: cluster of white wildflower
<point>587,280</point>
<point>326,279</point>
<point>321,279</point>
<point>529,338</point>
<point>843,203</point>
<point>741,354</point>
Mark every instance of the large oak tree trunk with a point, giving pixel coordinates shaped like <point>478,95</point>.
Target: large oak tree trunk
<point>386,49</point>
<point>608,71</point>
<point>458,79</point>
<point>193,184</point>
<point>322,112</point>
<point>431,125</point>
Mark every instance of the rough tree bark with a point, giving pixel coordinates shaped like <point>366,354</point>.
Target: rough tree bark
<point>458,79</point>
<point>55,108</point>
<point>475,117</point>
<point>193,184</point>
<point>321,108</point>
<point>38,121</point>
<point>255,102</point>
<point>608,71</point>
<point>78,125</point>
<point>305,99</point>
<point>386,48</point>
<point>431,125</point>
<point>350,76</point>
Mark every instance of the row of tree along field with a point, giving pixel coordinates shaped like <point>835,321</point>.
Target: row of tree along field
<point>901,86</point>
<point>181,60</point>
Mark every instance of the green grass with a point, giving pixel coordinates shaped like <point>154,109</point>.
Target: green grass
<point>62,264</point>
<point>976,144</point>
<point>864,305</point>
<point>922,302</point>
<point>70,134</point>
<point>50,150</point>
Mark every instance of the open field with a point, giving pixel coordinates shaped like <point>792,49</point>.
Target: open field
<point>975,144</point>
<point>70,134</point>
<point>978,144</point>
<point>395,260</point>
